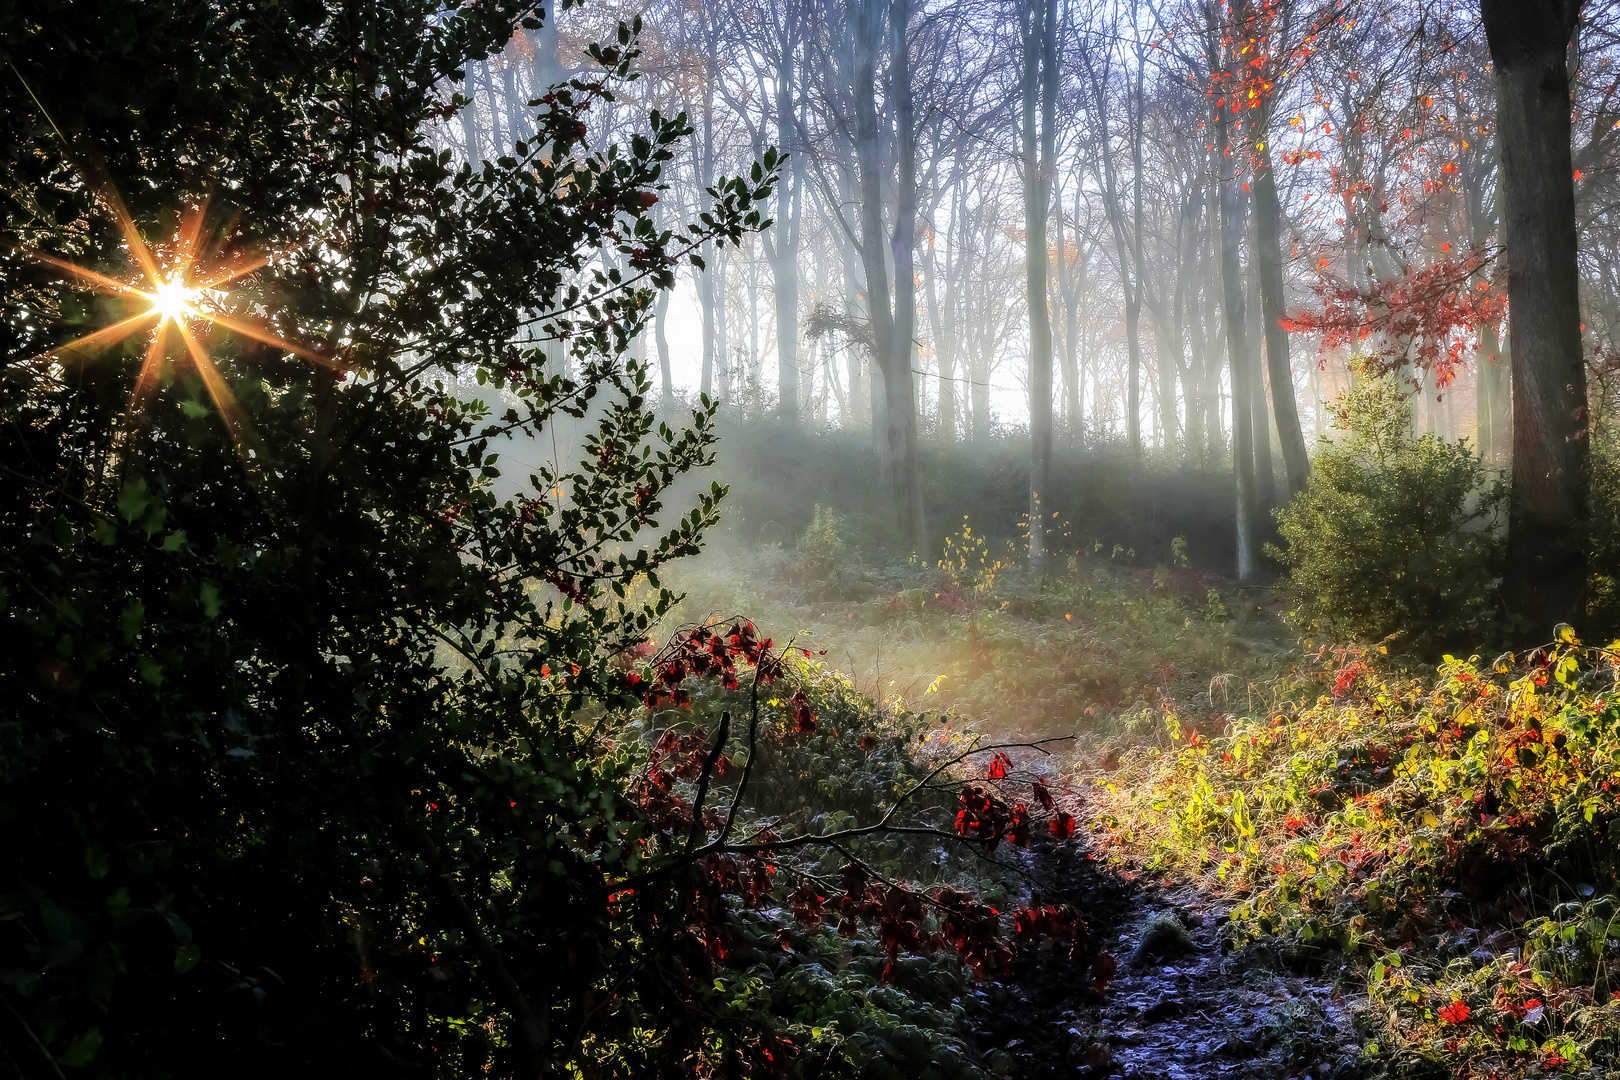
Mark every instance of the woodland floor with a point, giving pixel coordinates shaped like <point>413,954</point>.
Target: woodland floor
<point>1180,1011</point>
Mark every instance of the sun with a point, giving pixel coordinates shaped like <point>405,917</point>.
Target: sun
<point>175,300</point>
<point>185,300</point>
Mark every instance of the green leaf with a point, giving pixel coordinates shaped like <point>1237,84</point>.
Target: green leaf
<point>150,670</point>
<point>82,1050</point>
<point>134,614</point>
<point>208,596</point>
<point>152,520</point>
<point>186,957</point>
<point>173,541</point>
<point>194,409</point>
<point>134,499</point>
<point>97,862</point>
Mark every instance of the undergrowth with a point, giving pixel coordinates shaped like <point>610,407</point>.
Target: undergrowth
<point>976,635</point>
<point>1454,831</point>
<point>838,995</point>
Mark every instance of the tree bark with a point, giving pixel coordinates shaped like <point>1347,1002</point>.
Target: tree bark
<point>1268,260</point>
<point>1039,86</point>
<point>1129,268</point>
<point>720,271</point>
<point>706,274</point>
<point>498,135</point>
<point>666,377</point>
<point>1189,237</point>
<point>1548,516</point>
<point>1491,363</point>
<point>1069,290</point>
<point>1265,473</point>
<point>899,380</point>
<point>548,66</point>
<point>517,113</point>
<point>892,329</point>
<point>1232,213</point>
<point>942,344</point>
<point>782,248</point>
<point>469,122</point>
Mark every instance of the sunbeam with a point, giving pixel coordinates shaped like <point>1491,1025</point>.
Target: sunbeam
<point>187,294</point>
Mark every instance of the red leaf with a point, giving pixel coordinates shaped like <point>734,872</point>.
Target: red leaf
<point>1103,970</point>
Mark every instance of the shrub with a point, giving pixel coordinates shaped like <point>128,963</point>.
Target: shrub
<point>1455,834</point>
<point>293,776</point>
<point>1395,533</point>
<point>822,549</point>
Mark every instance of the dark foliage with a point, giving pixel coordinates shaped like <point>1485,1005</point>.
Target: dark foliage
<point>290,773</point>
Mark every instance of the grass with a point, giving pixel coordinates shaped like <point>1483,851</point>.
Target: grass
<point>977,638</point>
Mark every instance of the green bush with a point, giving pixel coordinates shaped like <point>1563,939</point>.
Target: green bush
<point>1396,533</point>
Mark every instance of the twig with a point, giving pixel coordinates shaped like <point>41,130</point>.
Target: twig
<point>703,779</point>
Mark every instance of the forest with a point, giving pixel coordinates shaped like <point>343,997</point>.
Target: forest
<point>941,539</point>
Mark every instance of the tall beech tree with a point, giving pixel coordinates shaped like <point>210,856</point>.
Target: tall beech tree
<point>878,25</point>
<point>1548,512</point>
<point>1039,85</point>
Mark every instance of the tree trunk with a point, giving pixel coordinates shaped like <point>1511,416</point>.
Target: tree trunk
<point>720,271</point>
<point>706,273</point>
<point>784,251</point>
<point>1129,268</point>
<point>660,310</point>
<point>1232,213</point>
<point>1068,290</point>
<point>1548,515</point>
<point>497,134</point>
<point>1039,85</point>
<point>1265,473</point>
<point>854,310</point>
<point>1215,430</point>
<point>517,118</point>
<point>891,329</point>
<point>942,347</point>
<point>899,380</point>
<point>1268,260</point>
<point>1189,236</point>
<point>469,122</point>
<point>548,67</point>
<point>1133,384</point>
<point>1491,362</point>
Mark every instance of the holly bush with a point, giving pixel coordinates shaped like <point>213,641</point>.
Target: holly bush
<point>292,772</point>
<point>1395,534</point>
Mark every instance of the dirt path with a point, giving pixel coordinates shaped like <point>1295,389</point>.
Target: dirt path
<point>1178,1009</point>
